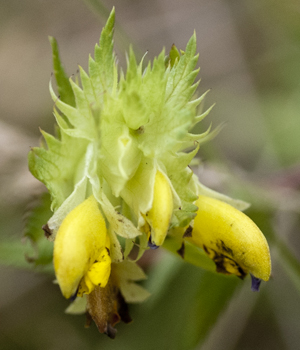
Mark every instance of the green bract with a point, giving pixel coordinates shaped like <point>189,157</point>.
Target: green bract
<point>122,129</point>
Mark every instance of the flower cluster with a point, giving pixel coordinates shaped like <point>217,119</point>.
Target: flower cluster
<point>118,172</point>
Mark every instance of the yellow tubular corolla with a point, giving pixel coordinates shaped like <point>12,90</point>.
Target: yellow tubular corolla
<point>80,241</point>
<point>159,216</point>
<point>231,239</point>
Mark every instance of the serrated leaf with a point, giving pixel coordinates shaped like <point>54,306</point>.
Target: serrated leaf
<point>101,69</point>
<point>58,166</point>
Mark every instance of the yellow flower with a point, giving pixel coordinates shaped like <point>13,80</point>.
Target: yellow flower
<point>80,250</point>
<point>159,216</point>
<point>232,240</point>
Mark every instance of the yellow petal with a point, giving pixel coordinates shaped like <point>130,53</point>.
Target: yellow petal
<point>159,216</point>
<point>99,273</point>
<point>231,239</point>
<point>86,286</point>
<point>78,243</point>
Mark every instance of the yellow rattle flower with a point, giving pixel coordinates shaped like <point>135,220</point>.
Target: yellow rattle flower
<point>232,240</point>
<point>81,250</point>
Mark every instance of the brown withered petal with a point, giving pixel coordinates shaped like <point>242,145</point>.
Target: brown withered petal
<point>107,307</point>
<point>102,306</point>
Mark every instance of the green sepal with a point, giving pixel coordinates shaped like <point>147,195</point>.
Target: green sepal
<point>78,306</point>
<point>128,273</point>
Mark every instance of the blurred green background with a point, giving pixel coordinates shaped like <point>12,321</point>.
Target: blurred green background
<point>250,59</point>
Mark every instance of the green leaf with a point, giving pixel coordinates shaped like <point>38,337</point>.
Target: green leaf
<point>36,219</point>
<point>19,255</point>
<point>12,252</point>
<point>62,80</point>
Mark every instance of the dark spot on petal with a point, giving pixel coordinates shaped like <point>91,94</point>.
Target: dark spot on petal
<point>188,232</point>
<point>181,250</point>
<point>220,266</point>
<point>223,264</point>
<point>222,246</point>
<point>121,220</point>
<point>242,272</point>
<point>47,230</point>
<point>205,249</point>
<point>179,208</point>
<point>255,283</point>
